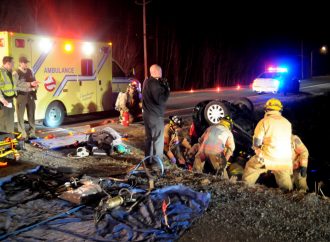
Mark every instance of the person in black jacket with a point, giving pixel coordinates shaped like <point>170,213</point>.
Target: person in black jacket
<point>155,93</point>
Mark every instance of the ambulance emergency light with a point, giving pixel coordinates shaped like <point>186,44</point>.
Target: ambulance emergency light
<point>45,45</point>
<point>87,48</point>
<point>68,47</point>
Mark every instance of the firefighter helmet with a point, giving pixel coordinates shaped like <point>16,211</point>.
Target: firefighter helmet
<point>227,122</point>
<point>273,104</point>
<point>176,120</point>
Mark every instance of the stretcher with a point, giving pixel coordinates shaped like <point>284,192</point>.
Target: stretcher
<point>10,143</point>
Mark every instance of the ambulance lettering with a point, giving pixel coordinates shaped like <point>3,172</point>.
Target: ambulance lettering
<point>69,70</point>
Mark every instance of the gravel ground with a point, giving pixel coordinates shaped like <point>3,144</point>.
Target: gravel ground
<point>236,212</point>
<point>239,213</point>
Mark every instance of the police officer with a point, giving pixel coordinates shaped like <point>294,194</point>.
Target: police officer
<point>7,94</point>
<point>26,96</point>
<point>154,96</point>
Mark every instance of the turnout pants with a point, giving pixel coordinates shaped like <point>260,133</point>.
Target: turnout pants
<point>154,132</point>
<point>26,101</point>
<point>254,168</point>
<point>299,181</point>
<point>7,119</point>
<point>218,162</point>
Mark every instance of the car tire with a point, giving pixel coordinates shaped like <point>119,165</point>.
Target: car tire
<point>244,104</point>
<point>54,115</point>
<point>215,110</point>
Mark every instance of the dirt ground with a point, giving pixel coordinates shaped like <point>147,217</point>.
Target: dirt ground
<point>236,212</point>
<point>94,166</point>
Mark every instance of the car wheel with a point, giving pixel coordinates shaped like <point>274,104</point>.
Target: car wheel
<point>244,104</point>
<point>214,111</point>
<point>54,114</point>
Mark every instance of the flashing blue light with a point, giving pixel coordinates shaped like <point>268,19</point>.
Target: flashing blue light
<point>277,69</point>
<point>277,83</point>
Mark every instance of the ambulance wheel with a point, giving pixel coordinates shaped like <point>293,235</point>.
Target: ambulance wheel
<point>54,114</point>
<point>214,111</point>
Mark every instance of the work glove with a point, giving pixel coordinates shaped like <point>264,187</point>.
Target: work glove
<point>173,160</point>
<point>303,171</point>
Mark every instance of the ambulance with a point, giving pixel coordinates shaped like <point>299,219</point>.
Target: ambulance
<point>75,76</point>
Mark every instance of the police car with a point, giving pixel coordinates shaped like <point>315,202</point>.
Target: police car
<point>275,80</point>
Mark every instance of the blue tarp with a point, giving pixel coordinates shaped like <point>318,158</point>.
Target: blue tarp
<point>147,222</point>
<point>144,223</point>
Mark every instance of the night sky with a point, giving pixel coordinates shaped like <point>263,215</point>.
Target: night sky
<point>198,44</point>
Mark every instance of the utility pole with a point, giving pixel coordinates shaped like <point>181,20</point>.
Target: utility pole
<point>145,52</point>
<point>145,41</point>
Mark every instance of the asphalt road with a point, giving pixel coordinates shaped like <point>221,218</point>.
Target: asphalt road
<point>182,103</point>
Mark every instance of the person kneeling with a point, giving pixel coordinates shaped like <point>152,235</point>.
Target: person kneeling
<point>216,147</point>
<point>175,144</point>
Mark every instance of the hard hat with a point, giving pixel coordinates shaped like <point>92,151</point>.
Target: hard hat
<point>121,148</point>
<point>227,122</point>
<point>273,104</point>
<point>176,120</point>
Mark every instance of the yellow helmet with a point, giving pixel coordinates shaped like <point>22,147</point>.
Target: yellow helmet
<point>227,122</point>
<point>273,104</point>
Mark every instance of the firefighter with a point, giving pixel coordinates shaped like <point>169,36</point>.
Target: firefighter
<point>7,94</point>
<point>175,144</point>
<point>26,95</point>
<point>216,146</point>
<point>130,102</point>
<point>300,163</point>
<point>133,103</point>
<point>272,146</point>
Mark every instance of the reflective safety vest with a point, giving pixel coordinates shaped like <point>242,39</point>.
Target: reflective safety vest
<point>216,140</point>
<point>7,86</point>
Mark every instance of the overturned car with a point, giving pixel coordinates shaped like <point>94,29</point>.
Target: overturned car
<point>209,112</point>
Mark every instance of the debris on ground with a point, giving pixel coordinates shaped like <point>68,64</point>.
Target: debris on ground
<point>41,204</point>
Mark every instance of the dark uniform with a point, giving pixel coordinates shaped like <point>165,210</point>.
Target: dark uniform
<point>154,96</point>
<point>26,96</point>
<point>8,92</point>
